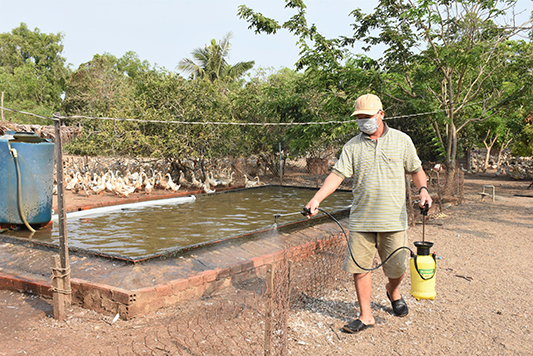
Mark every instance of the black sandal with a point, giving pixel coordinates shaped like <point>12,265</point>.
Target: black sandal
<point>355,326</point>
<point>399,307</point>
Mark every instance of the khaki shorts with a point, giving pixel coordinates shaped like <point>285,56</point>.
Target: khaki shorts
<point>364,246</point>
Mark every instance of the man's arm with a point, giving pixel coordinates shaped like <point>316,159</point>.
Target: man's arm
<point>331,184</point>
<point>419,178</point>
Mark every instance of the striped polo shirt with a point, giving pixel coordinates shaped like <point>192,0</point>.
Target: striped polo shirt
<point>378,169</point>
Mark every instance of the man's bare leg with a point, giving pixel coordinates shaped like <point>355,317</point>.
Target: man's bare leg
<point>392,287</point>
<point>363,288</point>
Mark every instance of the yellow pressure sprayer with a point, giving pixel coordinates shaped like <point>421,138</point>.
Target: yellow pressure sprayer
<point>423,265</point>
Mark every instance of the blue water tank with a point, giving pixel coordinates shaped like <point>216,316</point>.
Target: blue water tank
<point>36,163</point>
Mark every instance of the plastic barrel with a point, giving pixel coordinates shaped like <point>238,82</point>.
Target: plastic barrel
<point>36,163</point>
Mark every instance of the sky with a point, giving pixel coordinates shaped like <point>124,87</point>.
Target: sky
<point>163,32</point>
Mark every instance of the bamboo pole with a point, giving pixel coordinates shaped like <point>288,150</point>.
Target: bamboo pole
<point>61,214</point>
<point>58,287</point>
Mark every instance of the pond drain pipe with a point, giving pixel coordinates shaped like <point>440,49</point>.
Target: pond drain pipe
<point>15,155</point>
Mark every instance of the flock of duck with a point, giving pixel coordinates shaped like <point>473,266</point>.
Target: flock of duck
<point>518,168</point>
<point>94,175</point>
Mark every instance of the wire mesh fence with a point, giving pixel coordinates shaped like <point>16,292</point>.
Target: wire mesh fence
<point>225,327</point>
<point>252,319</point>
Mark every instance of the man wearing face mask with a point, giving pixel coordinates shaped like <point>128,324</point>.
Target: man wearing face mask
<point>376,159</point>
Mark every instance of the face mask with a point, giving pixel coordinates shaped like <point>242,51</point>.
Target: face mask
<point>368,126</point>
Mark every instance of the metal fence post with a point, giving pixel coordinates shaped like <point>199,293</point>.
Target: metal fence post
<point>269,306</point>
<point>2,105</point>
<point>280,167</point>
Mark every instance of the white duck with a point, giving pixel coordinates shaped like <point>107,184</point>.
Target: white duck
<point>207,188</point>
<point>182,180</point>
<point>163,181</point>
<point>74,181</point>
<point>227,181</point>
<point>99,187</point>
<point>172,186</point>
<point>138,183</point>
<point>149,184</point>
<point>109,184</point>
<point>196,183</point>
<point>251,183</point>
<point>124,189</point>
<point>210,179</point>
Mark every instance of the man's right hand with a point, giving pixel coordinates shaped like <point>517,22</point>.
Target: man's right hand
<point>313,208</point>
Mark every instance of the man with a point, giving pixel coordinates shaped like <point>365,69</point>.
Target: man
<point>377,159</point>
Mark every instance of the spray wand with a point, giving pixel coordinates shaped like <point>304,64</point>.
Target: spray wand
<point>276,216</point>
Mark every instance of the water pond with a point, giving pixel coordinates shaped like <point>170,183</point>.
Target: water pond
<point>158,226</point>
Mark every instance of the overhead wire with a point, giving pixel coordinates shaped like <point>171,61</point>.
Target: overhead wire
<point>62,118</point>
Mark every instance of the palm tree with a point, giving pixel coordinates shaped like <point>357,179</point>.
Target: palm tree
<point>210,63</point>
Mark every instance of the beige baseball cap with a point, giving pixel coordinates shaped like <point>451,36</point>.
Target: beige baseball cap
<point>368,104</point>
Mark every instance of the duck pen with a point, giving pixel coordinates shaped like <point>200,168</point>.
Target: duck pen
<point>133,282</point>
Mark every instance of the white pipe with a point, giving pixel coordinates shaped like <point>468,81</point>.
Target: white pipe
<point>107,209</point>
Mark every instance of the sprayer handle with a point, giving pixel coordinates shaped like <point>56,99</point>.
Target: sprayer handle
<point>424,210</point>
<point>306,211</point>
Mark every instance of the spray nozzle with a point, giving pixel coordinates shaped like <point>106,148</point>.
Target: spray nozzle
<point>306,211</point>
<point>424,210</point>
<point>277,216</point>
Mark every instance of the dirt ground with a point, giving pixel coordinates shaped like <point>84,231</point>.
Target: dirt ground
<point>482,306</point>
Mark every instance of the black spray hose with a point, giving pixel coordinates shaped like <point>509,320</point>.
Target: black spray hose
<point>306,212</point>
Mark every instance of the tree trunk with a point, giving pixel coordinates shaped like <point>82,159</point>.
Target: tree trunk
<point>272,162</point>
<point>451,153</point>
<point>489,148</point>
<point>468,159</point>
<point>317,165</point>
<point>503,146</point>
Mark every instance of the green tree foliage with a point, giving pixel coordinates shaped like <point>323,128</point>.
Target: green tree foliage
<point>167,97</point>
<point>328,96</point>
<point>449,56</point>
<point>267,99</point>
<point>315,49</point>
<point>328,87</point>
<point>98,88</point>
<point>32,71</point>
<point>441,57</point>
<point>524,144</point>
<point>104,87</point>
<point>210,62</point>
<point>521,110</point>
<point>169,114</point>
